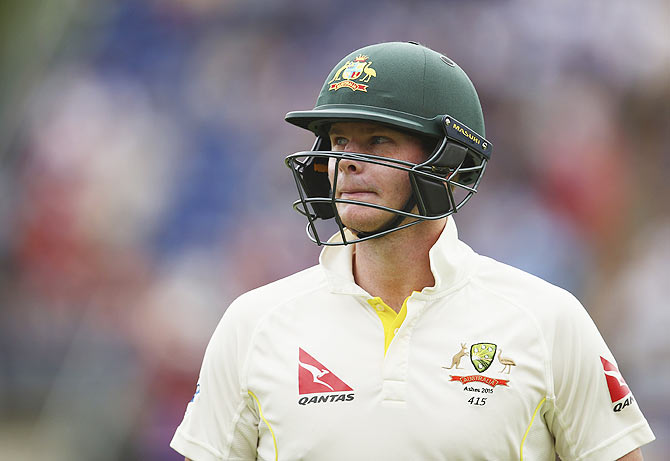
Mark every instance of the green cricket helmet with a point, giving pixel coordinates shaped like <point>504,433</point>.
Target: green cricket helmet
<point>410,88</point>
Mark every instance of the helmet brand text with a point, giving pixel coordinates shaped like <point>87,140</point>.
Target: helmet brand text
<point>466,133</point>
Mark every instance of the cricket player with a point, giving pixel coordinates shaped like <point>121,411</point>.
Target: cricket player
<point>403,343</point>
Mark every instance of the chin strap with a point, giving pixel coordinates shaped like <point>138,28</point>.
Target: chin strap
<point>395,222</point>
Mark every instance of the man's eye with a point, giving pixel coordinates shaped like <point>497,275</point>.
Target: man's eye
<point>339,141</point>
<point>379,140</point>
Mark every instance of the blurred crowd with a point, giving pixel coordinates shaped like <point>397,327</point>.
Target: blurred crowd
<point>143,188</point>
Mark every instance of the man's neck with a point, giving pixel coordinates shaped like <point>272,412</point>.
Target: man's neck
<point>394,266</point>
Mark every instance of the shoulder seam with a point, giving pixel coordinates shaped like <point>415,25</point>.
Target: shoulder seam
<point>549,387</point>
<point>261,321</point>
<point>549,383</point>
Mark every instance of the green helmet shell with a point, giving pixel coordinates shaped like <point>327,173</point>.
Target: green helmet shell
<point>405,85</point>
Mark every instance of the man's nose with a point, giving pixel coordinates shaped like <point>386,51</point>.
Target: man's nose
<point>349,165</point>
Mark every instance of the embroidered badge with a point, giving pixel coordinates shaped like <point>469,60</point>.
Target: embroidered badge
<point>493,382</point>
<point>353,74</point>
<point>481,356</point>
<point>507,362</point>
<point>456,359</point>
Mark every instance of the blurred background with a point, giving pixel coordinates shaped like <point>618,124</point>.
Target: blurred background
<point>142,186</point>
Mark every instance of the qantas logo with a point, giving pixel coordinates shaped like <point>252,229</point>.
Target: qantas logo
<point>315,378</point>
<point>316,374</point>
<point>616,385</point>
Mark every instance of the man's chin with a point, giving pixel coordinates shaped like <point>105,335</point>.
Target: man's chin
<point>370,222</point>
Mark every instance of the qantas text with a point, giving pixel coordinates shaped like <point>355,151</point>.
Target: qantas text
<point>326,398</point>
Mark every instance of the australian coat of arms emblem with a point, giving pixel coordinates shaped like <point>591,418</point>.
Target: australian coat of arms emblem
<point>353,75</point>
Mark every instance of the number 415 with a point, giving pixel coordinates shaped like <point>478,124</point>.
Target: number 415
<point>477,401</point>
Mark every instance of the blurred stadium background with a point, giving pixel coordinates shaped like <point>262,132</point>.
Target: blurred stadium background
<point>142,186</point>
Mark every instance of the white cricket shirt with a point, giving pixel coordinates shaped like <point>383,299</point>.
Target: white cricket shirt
<point>489,364</point>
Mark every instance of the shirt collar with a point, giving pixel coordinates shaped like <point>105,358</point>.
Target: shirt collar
<point>450,263</point>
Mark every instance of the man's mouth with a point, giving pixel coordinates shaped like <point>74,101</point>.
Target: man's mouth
<point>355,194</point>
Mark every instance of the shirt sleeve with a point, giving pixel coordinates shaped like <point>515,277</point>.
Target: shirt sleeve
<point>594,415</point>
<point>221,421</point>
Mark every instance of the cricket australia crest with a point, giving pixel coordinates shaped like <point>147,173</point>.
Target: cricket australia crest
<point>353,75</point>
<point>481,356</point>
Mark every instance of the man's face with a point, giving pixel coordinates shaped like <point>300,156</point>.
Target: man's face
<point>367,182</point>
